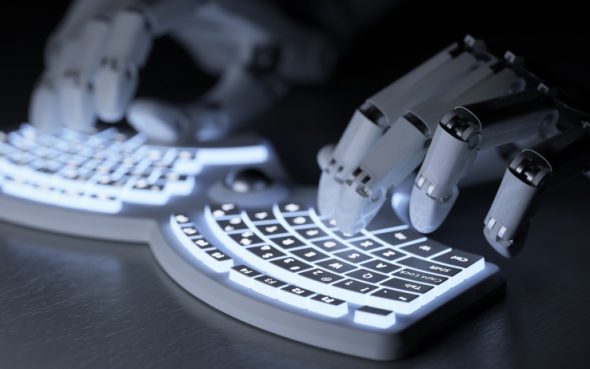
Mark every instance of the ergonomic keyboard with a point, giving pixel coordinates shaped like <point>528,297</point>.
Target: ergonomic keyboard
<point>263,256</point>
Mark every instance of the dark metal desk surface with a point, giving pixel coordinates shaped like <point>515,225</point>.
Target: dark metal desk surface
<point>75,303</point>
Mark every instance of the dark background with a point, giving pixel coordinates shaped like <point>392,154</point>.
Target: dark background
<point>69,303</point>
<point>553,39</point>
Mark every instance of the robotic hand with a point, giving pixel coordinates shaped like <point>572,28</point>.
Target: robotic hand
<point>94,57</point>
<point>490,109</point>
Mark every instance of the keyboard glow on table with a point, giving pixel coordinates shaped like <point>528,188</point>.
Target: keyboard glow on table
<point>278,265</point>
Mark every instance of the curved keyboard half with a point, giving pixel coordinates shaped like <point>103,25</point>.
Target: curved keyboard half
<point>378,295</point>
<point>265,258</point>
<point>85,184</point>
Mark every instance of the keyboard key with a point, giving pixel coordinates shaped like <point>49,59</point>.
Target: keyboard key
<point>327,305</point>
<point>224,210</point>
<point>389,254</point>
<point>311,233</point>
<point>374,317</point>
<point>425,249</point>
<point>243,275</point>
<point>267,285</point>
<point>218,260</point>
<point>321,276</point>
<point>472,263</point>
<point>366,244</point>
<point>395,238</point>
<point>287,242</point>
<point>418,276</point>
<point>189,231</point>
<point>355,286</point>
<point>261,216</point>
<point>345,237</point>
<point>310,254</point>
<point>201,243</point>
<point>246,238</point>
<point>381,266</point>
<point>295,295</point>
<point>233,224</point>
<point>265,252</point>
<point>291,207</point>
<point>291,264</point>
<point>330,245</point>
<point>401,302</point>
<point>352,291</point>
<point>336,265</point>
<point>367,275</point>
<point>429,266</point>
<point>272,229</point>
<point>408,286</point>
<point>300,220</point>
<point>352,256</point>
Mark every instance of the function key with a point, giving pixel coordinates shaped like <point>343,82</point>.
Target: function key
<point>426,249</point>
<point>267,285</point>
<point>310,254</point>
<point>223,210</point>
<point>287,242</point>
<point>327,305</point>
<point>367,276</point>
<point>243,275</point>
<point>295,295</point>
<point>388,254</point>
<point>336,265</point>
<point>395,238</point>
<point>429,266</point>
<point>218,260</point>
<point>379,318</point>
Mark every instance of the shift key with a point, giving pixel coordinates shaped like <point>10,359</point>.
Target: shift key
<point>429,266</point>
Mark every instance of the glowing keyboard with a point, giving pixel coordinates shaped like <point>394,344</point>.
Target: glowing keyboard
<point>373,295</point>
<point>101,172</point>
<point>264,257</point>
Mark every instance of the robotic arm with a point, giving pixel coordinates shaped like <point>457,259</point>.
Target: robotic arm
<point>488,103</point>
<point>533,171</point>
<point>94,58</point>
